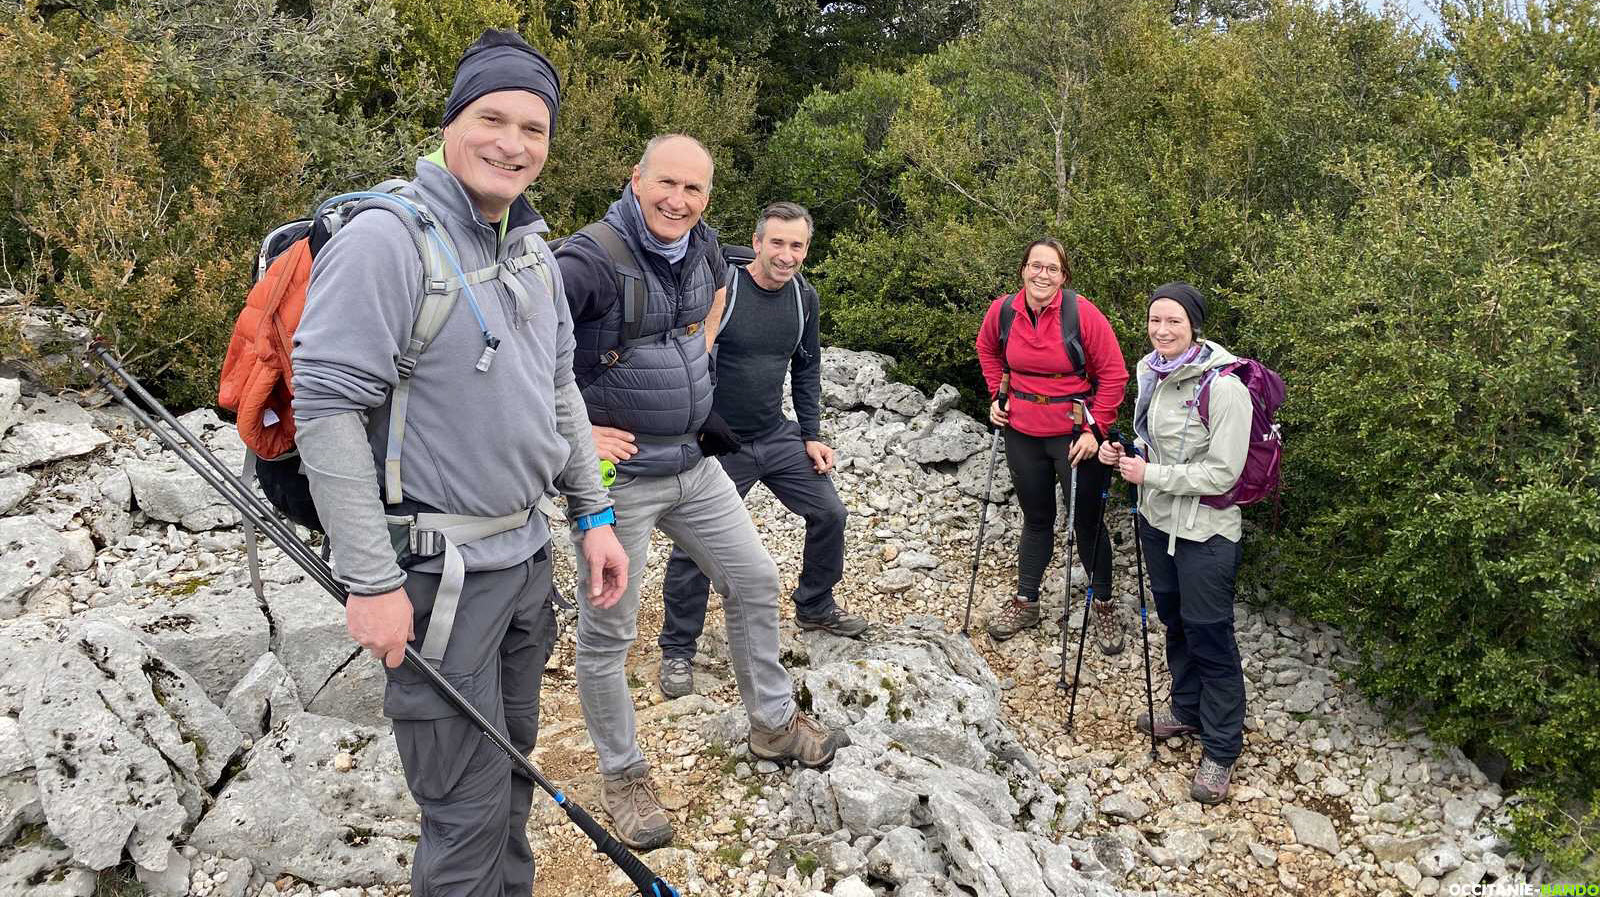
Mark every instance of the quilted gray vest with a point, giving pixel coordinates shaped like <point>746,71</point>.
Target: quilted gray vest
<point>646,369</point>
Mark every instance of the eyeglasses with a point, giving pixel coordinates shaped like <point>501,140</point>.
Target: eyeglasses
<point>1036,268</point>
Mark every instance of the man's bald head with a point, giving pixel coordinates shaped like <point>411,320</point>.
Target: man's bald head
<point>672,183</point>
<point>675,141</point>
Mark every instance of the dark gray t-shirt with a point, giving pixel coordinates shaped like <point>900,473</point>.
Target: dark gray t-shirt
<point>755,348</point>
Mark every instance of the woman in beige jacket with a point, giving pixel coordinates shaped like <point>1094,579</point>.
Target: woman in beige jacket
<point>1192,549</point>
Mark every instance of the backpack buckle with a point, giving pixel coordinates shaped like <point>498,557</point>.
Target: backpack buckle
<point>610,358</point>
<point>692,329</point>
<point>424,543</point>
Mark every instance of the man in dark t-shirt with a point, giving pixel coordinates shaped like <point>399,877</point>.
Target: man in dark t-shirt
<point>769,329</point>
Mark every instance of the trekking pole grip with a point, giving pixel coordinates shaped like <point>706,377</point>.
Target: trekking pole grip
<point>648,883</point>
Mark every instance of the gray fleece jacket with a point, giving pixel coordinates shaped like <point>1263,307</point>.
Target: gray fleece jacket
<point>477,443</point>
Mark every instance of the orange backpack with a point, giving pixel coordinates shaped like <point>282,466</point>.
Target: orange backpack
<point>257,372</point>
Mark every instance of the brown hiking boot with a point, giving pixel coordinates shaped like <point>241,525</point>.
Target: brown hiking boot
<point>804,741</point>
<point>635,809</point>
<point>1167,725</point>
<point>837,621</point>
<point>1016,616</point>
<point>1107,622</point>
<point>1210,785</point>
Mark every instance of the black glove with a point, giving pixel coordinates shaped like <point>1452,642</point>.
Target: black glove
<point>716,438</point>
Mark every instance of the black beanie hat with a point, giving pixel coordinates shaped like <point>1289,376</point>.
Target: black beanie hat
<point>502,60</point>
<point>1187,296</point>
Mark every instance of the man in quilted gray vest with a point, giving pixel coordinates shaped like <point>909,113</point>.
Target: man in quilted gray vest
<point>452,555</point>
<point>644,284</point>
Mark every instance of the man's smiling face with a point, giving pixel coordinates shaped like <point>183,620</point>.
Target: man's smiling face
<point>497,146</point>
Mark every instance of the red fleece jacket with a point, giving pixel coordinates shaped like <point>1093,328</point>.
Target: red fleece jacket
<point>1038,347</point>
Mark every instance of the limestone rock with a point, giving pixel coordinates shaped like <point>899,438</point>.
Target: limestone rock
<point>291,811</point>
<point>1125,806</point>
<point>956,437</point>
<point>125,745</point>
<point>896,580</point>
<point>208,634</point>
<point>30,553</point>
<point>1440,860</point>
<point>925,689</point>
<point>44,870</point>
<point>35,442</point>
<point>13,489</point>
<point>264,695</point>
<point>903,855</point>
<point>171,881</point>
<point>868,801</point>
<point>1312,829</point>
<point>973,475</point>
<point>10,395</point>
<point>169,490</point>
<point>332,675</point>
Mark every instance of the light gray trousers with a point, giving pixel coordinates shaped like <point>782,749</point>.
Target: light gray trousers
<point>701,511</point>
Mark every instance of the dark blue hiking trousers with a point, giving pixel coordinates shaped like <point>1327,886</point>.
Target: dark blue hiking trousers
<point>1194,591</point>
<point>474,840</point>
<point>779,461</point>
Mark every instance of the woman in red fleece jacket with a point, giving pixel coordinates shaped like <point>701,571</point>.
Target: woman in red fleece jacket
<point>1053,423</point>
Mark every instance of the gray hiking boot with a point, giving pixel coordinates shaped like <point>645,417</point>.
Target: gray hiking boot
<point>1016,616</point>
<point>1210,785</point>
<point>1167,725</point>
<point>804,740</point>
<point>635,809</point>
<point>1107,622</point>
<point>676,677</point>
<point>838,621</point>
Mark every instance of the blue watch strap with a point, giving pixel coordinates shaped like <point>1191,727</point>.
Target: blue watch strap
<point>599,518</point>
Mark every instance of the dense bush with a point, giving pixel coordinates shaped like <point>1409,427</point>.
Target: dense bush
<point>128,203</point>
<point>1443,353</point>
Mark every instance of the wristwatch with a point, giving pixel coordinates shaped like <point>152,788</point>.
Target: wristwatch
<point>598,518</point>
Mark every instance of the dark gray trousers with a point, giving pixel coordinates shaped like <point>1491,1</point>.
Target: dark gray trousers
<point>779,461</point>
<point>1194,591</point>
<point>474,840</point>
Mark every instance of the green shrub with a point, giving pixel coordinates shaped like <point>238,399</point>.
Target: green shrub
<point>129,202</point>
<point>1443,444</point>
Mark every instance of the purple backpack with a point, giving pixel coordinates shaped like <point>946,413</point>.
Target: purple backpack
<point>1260,476</point>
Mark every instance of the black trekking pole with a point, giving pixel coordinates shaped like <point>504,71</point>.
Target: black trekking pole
<point>1088,600</point>
<point>232,489</point>
<point>1066,589</point>
<point>1130,449</point>
<point>983,517</point>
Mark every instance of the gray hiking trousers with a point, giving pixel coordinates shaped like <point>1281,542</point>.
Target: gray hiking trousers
<point>701,511</point>
<point>474,840</point>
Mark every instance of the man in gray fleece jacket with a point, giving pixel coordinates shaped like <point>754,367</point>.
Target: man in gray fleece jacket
<point>491,421</point>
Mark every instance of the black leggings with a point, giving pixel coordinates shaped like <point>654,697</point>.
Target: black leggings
<point>1037,463</point>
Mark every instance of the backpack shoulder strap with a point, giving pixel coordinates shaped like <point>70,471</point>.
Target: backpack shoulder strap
<point>1203,394</point>
<point>1071,337</point>
<point>1008,313</point>
<point>731,297</point>
<point>799,311</point>
<point>630,278</point>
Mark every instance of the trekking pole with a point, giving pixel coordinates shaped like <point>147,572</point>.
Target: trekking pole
<point>243,500</point>
<point>1129,449</point>
<point>983,517</point>
<point>1066,590</point>
<point>1088,599</point>
<point>298,551</point>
